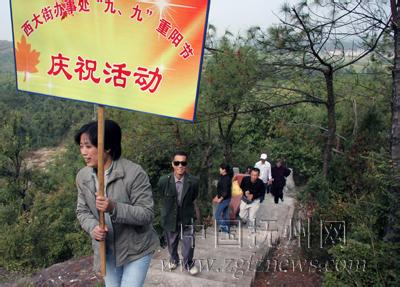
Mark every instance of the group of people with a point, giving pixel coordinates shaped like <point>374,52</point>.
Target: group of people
<point>128,206</point>
<point>274,178</point>
<point>259,180</point>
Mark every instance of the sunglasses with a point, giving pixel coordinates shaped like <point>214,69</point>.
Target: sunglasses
<point>177,163</point>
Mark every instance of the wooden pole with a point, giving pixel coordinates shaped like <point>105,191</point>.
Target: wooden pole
<point>100,178</point>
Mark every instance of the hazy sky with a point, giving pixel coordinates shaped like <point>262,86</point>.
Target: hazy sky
<point>234,15</point>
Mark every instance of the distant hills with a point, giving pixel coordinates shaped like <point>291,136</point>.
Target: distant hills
<point>6,57</point>
<point>45,120</point>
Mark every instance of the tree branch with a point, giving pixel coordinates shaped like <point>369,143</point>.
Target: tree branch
<point>365,53</point>
<point>310,41</point>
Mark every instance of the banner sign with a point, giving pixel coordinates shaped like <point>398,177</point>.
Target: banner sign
<point>138,55</point>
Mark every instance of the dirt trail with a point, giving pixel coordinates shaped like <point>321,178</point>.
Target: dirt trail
<point>42,157</point>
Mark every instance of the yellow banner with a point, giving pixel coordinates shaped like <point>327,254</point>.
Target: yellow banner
<point>137,55</point>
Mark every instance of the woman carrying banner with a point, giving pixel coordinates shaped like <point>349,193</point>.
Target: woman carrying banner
<point>127,204</point>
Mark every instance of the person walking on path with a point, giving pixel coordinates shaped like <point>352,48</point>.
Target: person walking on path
<point>179,190</point>
<point>279,174</point>
<point>224,193</point>
<point>265,172</point>
<point>253,188</point>
<point>248,169</point>
<point>127,205</point>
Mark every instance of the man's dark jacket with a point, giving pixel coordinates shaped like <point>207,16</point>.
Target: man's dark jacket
<point>171,214</point>
<point>257,189</point>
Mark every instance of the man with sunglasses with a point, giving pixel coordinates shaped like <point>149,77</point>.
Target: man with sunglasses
<point>179,190</point>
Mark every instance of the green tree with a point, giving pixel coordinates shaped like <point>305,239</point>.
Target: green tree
<point>13,147</point>
<point>316,40</point>
<point>231,72</point>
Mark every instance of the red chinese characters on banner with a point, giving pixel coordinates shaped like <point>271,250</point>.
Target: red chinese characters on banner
<point>148,80</point>
<point>27,28</point>
<point>83,6</point>
<point>187,51</point>
<point>120,74</point>
<point>110,7</point>
<point>61,9</point>
<point>64,8</point>
<point>70,7</point>
<point>137,14</point>
<point>58,65</point>
<point>47,14</point>
<point>175,37</point>
<point>87,67</point>
<point>117,74</point>
<point>163,27</point>
<point>36,20</point>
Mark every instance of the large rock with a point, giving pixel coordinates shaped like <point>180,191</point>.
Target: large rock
<point>74,273</point>
<point>290,185</point>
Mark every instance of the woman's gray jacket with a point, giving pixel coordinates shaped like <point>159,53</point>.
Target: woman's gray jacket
<point>129,188</point>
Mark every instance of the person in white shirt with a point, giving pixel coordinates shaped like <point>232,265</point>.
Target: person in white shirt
<point>265,172</point>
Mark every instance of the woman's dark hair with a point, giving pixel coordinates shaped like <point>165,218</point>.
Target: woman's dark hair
<point>227,168</point>
<point>112,137</point>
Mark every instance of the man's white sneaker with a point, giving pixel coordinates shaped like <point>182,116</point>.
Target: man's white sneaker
<point>193,271</point>
<point>172,266</point>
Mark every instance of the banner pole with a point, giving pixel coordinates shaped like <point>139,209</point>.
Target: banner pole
<point>100,178</point>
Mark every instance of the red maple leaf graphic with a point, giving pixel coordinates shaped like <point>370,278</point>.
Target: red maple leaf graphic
<point>26,58</point>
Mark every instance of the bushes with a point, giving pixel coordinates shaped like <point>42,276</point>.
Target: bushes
<point>46,235</point>
<point>316,190</point>
<point>45,231</point>
<point>364,264</point>
<point>358,193</point>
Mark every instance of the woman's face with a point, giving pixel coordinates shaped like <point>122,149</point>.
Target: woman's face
<point>88,151</point>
